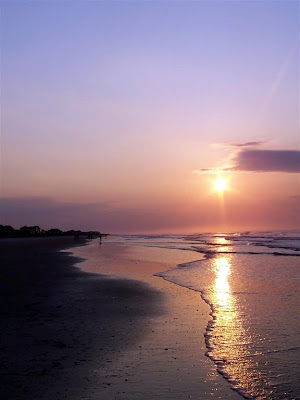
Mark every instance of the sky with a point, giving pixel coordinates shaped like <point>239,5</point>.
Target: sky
<point>118,116</point>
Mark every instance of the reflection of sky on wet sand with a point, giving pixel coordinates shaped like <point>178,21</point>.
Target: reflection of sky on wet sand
<point>229,338</point>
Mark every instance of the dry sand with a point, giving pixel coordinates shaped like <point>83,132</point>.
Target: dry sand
<point>125,334</point>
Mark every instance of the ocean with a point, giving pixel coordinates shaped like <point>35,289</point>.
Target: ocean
<point>251,282</point>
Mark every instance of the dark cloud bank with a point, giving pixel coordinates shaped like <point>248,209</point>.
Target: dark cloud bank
<point>113,217</point>
<point>104,216</point>
<point>267,161</point>
<point>263,160</point>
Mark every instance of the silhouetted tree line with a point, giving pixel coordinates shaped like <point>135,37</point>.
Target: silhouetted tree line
<point>34,231</point>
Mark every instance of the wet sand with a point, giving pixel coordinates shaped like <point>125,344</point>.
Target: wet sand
<point>60,326</point>
<point>169,361</point>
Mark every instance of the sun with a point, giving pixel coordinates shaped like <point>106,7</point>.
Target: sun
<point>220,184</point>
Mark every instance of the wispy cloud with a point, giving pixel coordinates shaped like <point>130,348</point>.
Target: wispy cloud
<point>215,171</point>
<point>254,143</point>
<point>248,144</point>
<point>281,74</point>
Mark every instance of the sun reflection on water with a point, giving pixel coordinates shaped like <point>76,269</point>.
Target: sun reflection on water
<point>229,339</point>
<point>221,244</point>
<point>221,286</point>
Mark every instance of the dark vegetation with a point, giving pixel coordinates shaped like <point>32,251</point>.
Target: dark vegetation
<point>8,231</point>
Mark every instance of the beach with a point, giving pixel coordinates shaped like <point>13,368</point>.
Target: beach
<point>58,324</point>
<point>109,329</point>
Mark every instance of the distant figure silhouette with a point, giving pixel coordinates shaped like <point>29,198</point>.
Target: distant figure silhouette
<point>100,237</point>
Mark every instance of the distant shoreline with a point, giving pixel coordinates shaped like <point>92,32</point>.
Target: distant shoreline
<point>20,236</point>
<point>7,231</point>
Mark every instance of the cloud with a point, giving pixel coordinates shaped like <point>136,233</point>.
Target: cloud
<point>267,161</point>
<point>105,216</point>
<point>254,143</point>
<point>247,144</point>
<point>296,197</point>
<point>113,217</point>
<point>50,213</point>
<point>281,74</point>
<point>255,160</point>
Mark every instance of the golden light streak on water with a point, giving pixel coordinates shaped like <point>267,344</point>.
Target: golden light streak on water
<point>221,286</point>
<point>230,339</point>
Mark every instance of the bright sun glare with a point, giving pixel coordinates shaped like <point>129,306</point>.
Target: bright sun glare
<point>220,184</point>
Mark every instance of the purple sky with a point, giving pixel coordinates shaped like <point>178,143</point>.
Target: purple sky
<point>109,109</point>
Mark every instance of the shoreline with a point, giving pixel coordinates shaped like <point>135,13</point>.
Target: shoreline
<point>176,342</point>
